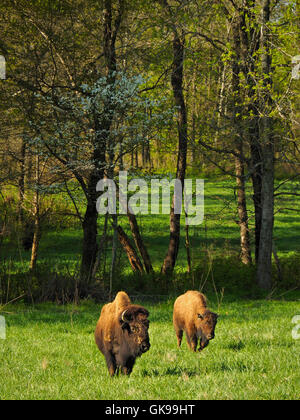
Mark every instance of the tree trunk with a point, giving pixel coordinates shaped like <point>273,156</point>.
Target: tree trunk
<point>113,256</point>
<point>188,247</point>
<point>133,258</point>
<point>256,176</point>
<point>242,212</point>
<point>250,43</point>
<point>89,224</point>
<point>264,266</point>
<point>177,85</point>
<point>35,242</point>
<point>139,242</point>
<point>22,183</point>
<point>101,247</point>
<point>239,139</point>
<point>37,220</point>
<point>89,245</point>
<point>102,129</point>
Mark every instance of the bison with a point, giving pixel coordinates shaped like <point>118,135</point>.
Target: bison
<point>122,333</point>
<point>192,316</point>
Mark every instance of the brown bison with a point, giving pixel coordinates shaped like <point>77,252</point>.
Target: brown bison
<point>122,333</point>
<point>192,316</point>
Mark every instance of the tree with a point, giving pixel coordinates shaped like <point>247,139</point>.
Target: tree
<point>177,86</point>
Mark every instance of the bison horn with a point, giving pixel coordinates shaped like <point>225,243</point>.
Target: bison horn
<point>123,316</point>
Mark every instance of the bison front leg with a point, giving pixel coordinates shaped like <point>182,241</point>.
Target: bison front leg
<point>127,369</point>
<point>191,339</point>
<point>203,344</point>
<point>193,343</point>
<point>111,364</point>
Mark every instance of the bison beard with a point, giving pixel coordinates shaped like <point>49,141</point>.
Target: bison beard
<point>122,334</point>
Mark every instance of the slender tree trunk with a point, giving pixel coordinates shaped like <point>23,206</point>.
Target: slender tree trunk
<point>256,176</point>
<point>277,261</point>
<point>239,139</point>
<point>133,257</point>
<point>35,242</point>
<point>256,157</point>
<point>136,158</point>
<point>37,220</point>
<point>250,43</point>
<point>264,266</point>
<point>147,146</point>
<point>188,247</point>
<point>101,247</point>
<point>89,246</point>
<point>220,108</point>
<point>113,256</point>
<point>177,85</point>
<point>22,183</point>
<point>242,212</point>
<point>139,242</point>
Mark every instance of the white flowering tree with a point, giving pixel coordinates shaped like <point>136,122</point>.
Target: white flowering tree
<point>87,131</point>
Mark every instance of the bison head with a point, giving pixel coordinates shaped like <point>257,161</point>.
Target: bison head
<point>134,321</point>
<point>206,324</point>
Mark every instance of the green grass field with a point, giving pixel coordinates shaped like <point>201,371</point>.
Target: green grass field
<point>49,353</point>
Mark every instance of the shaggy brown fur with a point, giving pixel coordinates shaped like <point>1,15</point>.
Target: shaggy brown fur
<point>192,316</point>
<point>122,340</point>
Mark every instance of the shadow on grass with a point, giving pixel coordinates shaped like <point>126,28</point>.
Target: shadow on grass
<point>236,346</point>
<point>170,371</point>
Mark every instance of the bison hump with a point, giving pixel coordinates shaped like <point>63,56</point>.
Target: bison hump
<point>121,301</point>
<point>188,305</point>
<point>195,297</point>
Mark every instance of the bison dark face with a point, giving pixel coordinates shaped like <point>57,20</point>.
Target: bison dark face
<point>206,324</point>
<point>135,323</point>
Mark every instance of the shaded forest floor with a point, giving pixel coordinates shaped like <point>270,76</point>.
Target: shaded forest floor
<point>214,250</point>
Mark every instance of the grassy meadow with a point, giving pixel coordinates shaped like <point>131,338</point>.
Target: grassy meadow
<point>49,353</point>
